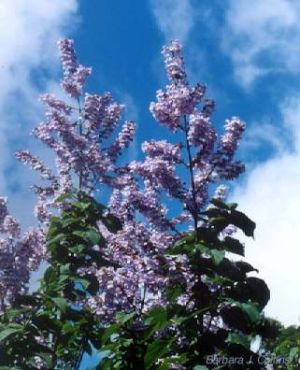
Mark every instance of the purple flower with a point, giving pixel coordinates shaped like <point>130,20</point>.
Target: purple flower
<point>56,104</point>
<point>163,150</point>
<point>174,62</point>
<point>75,74</point>
<point>174,103</point>
<point>201,133</point>
<point>230,141</point>
<point>155,198</point>
<point>35,163</point>
<point>123,140</point>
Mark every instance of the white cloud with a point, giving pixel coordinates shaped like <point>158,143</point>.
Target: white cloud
<point>175,18</point>
<point>29,31</point>
<point>28,34</point>
<point>261,136</point>
<point>262,37</point>
<point>271,197</point>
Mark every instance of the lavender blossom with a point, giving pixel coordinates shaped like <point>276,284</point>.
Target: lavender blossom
<point>75,74</point>
<point>163,150</point>
<point>56,104</point>
<point>174,62</point>
<point>81,138</point>
<point>19,255</point>
<point>230,141</point>
<point>123,140</point>
<point>175,102</point>
<point>200,159</point>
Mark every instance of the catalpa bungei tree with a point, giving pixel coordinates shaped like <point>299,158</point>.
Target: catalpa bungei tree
<point>80,136</point>
<point>153,250</point>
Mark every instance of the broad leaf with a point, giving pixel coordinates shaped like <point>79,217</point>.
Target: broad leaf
<point>238,339</point>
<point>6,333</point>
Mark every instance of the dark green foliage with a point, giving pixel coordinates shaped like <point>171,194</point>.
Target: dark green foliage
<point>227,312</point>
<point>225,318</point>
<point>234,300</point>
<point>285,347</point>
<point>66,330</point>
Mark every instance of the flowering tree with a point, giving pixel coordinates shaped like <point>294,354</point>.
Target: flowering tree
<point>79,135</point>
<point>188,270</point>
<point>135,269</point>
<point>197,153</point>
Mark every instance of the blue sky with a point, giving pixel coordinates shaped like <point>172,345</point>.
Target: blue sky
<point>246,51</point>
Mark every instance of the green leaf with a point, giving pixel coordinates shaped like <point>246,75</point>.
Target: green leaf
<point>258,291</point>
<point>64,269</point>
<point>61,303</point>
<point>62,281</point>
<point>214,212</point>
<point>217,256</point>
<point>174,292</point>
<point>243,222</point>
<point>83,206</point>
<point>238,339</point>
<point>156,350</point>
<point>112,329</point>
<point>232,205</point>
<point>158,319</point>
<point>78,249</point>
<point>69,221</point>
<point>112,223</point>
<point>294,352</point>
<point>12,329</point>
<point>200,367</point>
<point>123,317</point>
<point>219,223</point>
<point>56,239</point>
<point>218,203</point>
<point>245,267</point>
<point>13,313</point>
<point>167,363</point>
<point>250,309</point>
<point>233,245</point>
<point>252,312</point>
<point>93,236</point>
<point>62,197</point>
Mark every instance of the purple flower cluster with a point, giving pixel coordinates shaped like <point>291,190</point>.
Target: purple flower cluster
<point>185,108</point>
<point>176,101</point>
<point>179,99</point>
<point>123,140</point>
<point>75,74</point>
<point>201,133</point>
<point>163,150</point>
<point>230,141</point>
<point>139,280</point>
<point>139,194</point>
<point>8,224</point>
<point>174,62</point>
<point>18,255</point>
<point>79,136</point>
<point>200,158</point>
<point>85,140</point>
<point>35,163</point>
<point>86,144</point>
